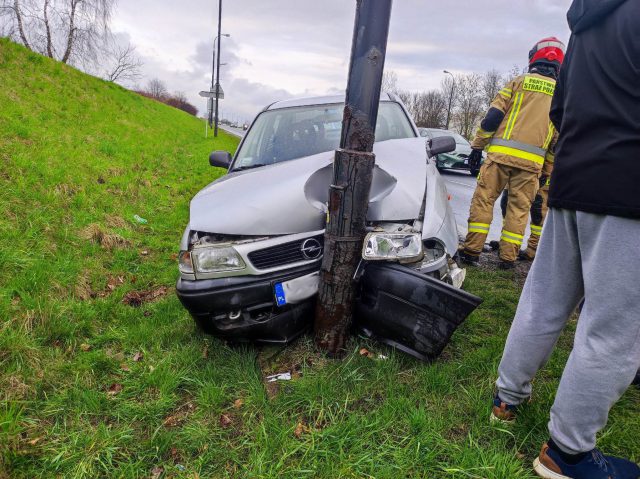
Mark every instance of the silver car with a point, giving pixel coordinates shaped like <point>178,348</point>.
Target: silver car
<point>251,253</point>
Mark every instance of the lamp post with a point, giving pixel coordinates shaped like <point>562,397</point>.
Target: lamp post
<point>215,131</point>
<point>213,70</point>
<point>453,85</point>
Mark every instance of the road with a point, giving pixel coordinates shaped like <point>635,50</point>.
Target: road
<point>460,185</point>
<point>234,131</point>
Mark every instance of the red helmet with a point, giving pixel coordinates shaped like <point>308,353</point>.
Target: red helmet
<point>549,51</point>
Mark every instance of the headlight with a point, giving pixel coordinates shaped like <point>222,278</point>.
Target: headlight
<point>216,259</point>
<point>184,262</point>
<point>392,246</point>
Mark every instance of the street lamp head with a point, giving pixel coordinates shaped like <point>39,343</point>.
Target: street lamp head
<point>445,71</point>
<point>226,35</point>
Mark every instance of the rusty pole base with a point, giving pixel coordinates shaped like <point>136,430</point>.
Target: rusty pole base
<point>345,232</point>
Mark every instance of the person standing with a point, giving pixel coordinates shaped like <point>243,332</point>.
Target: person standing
<point>518,136</point>
<point>589,248</point>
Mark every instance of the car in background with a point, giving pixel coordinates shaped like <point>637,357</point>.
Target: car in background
<point>245,126</point>
<point>455,160</point>
<point>251,253</point>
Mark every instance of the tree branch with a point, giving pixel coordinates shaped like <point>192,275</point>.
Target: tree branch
<point>23,36</point>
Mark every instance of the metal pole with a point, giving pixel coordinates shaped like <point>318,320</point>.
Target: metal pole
<point>352,176</point>
<point>453,85</point>
<point>215,132</point>
<point>213,79</point>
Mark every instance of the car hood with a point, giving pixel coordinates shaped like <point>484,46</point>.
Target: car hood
<point>291,197</point>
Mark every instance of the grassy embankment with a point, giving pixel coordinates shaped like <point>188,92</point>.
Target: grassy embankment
<point>93,387</point>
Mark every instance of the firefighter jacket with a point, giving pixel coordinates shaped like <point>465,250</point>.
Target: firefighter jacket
<point>517,131</point>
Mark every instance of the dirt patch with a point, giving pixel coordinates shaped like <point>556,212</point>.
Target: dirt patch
<point>84,291</point>
<point>96,234</point>
<point>138,298</point>
<point>179,416</point>
<point>489,260</point>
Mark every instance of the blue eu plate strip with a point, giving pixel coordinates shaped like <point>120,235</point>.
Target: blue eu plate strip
<point>281,300</point>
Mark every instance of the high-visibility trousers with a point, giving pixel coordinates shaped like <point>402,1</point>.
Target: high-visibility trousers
<point>539,211</point>
<point>493,178</point>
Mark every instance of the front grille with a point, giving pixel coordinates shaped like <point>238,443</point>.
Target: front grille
<point>287,253</point>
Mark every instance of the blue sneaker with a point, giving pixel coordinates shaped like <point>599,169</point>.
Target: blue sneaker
<point>550,465</point>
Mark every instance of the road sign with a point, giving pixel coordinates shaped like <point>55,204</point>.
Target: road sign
<point>212,94</point>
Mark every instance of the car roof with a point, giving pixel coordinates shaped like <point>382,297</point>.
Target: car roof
<point>316,100</point>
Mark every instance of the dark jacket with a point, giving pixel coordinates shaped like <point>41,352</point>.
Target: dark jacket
<point>596,109</point>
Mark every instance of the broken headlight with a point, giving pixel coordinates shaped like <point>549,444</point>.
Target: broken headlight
<point>185,263</point>
<point>392,247</point>
<point>216,259</point>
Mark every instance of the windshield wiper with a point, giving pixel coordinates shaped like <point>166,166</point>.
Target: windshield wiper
<point>249,167</point>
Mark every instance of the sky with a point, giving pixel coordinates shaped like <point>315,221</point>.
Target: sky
<point>280,49</point>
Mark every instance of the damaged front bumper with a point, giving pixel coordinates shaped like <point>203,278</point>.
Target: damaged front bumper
<point>395,304</point>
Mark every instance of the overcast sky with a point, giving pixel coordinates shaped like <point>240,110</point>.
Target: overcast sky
<point>284,48</point>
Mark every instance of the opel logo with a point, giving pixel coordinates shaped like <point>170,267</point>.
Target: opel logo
<point>311,249</point>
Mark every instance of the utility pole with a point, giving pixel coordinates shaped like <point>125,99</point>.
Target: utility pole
<point>453,85</point>
<point>215,131</point>
<point>352,175</point>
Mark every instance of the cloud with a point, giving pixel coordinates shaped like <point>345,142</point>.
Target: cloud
<point>284,48</point>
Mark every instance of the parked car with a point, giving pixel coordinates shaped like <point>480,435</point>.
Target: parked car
<point>455,160</point>
<point>251,253</point>
<point>245,126</point>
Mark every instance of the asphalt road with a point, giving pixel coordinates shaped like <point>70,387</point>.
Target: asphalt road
<point>234,131</point>
<point>460,185</point>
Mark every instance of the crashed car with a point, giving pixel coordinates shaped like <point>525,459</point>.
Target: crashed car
<point>251,253</point>
<point>454,160</point>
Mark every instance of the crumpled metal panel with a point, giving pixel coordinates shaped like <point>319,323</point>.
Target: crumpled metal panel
<point>290,197</point>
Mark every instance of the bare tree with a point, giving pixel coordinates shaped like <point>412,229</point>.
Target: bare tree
<point>469,106</point>
<point>428,109</point>
<point>449,90</point>
<point>156,88</point>
<point>71,31</point>
<point>125,65</point>
<point>492,81</point>
<point>515,71</point>
<point>390,81</point>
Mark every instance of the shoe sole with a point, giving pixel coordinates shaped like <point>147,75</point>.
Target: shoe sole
<point>546,473</point>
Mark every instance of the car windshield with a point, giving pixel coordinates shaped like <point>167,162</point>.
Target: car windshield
<point>290,133</point>
<point>460,140</point>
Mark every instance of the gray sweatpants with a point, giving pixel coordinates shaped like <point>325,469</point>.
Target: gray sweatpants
<point>594,256</point>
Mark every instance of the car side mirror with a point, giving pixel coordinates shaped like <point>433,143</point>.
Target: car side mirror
<point>221,159</point>
<point>441,144</point>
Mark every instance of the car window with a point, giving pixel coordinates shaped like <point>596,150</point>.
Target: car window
<point>460,140</point>
<point>290,133</point>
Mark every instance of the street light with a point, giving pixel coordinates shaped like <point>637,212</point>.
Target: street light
<point>453,85</point>
<point>213,71</point>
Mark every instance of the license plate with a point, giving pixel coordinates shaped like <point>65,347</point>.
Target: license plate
<point>281,298</point>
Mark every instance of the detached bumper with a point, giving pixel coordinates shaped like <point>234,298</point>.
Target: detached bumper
<point>243,308</point>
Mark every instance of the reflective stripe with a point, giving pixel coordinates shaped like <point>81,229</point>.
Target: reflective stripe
<point>514,115</point>
<point>559,45</point>
<point>516,153</point>
<point>506,92</point>
<point>479,228</point>
<point>512,238</point>
<point>548,182</point>
<point>536,230</point>
<point>534,150</point>
<point>484,134</point>
<point>547,142</point>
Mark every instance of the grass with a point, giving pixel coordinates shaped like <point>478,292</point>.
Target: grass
<point>92,387</point>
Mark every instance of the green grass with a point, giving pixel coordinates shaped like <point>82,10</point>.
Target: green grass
<point>78,159</point>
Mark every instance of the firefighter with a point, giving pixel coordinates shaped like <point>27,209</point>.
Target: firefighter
<point>538,213</point>
<point>519,140</point>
